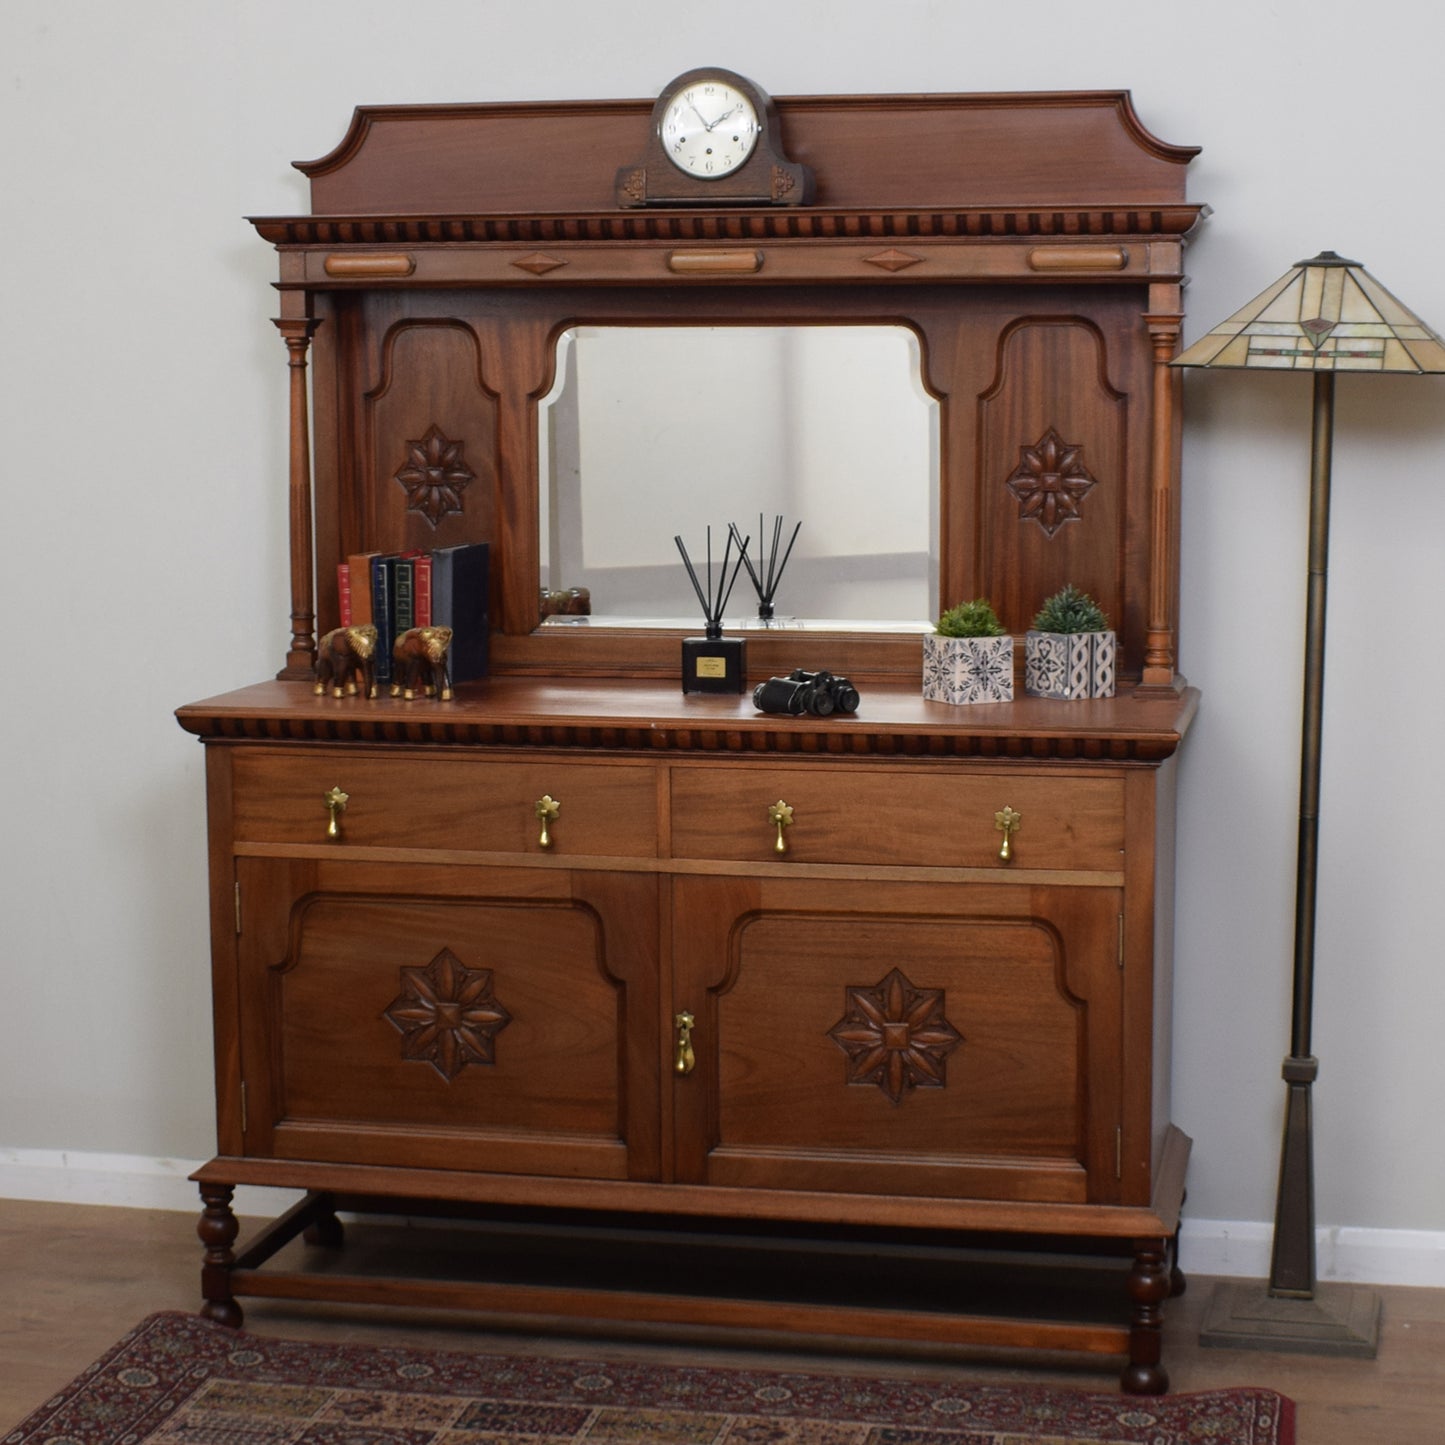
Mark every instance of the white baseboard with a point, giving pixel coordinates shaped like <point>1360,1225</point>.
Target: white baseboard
<point>1238,1248</point>
<point>67,1176</point>
<point>1346,1253</point>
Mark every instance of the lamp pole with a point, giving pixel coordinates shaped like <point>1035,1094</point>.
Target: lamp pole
<point>1292,1263</point>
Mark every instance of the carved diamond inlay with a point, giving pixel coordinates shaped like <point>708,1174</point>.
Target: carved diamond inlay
<point>435,476</point>
<point>447,1015</point>
<point>896,1036</point>
<point>539,263</point>
<point>1050,482</point>
<point>893,260</point>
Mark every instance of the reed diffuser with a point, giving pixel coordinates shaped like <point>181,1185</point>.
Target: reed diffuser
<point>769,571</point>
<point>714,663</point>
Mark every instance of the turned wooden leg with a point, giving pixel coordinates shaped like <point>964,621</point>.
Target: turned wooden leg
<point>1149,1286</point>
<point>1177,1282</point>
<point>217,1230</point>
<point>325,1229</point>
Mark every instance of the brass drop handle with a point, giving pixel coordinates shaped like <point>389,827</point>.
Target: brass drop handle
<point>684,1060</point>
<point>336,802</point>
<point>546,810</point>
<point>780,815</point>
<point>1007,823</point>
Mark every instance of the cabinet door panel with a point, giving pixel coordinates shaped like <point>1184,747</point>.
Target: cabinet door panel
<point>897,1039</point>
<point>457,1018</point>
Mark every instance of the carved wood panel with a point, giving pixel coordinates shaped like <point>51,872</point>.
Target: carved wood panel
<point>428,432</point>
<point>796,1087</point>
<point>1052,467</point>
<point>438,1018</point>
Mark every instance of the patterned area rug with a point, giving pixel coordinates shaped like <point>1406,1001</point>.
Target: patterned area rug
<point>179,1380</point>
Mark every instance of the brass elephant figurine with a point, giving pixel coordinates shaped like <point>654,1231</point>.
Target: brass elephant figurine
<point>346,661</point>
<point>420,655</point>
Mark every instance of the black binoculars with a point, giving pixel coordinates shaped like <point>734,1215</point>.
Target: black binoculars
<point>818,693</point>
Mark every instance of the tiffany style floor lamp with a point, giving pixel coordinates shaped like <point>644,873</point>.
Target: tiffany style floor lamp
<point>1327,315</point>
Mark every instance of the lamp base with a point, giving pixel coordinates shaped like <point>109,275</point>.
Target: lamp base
<point>1341,1319</point>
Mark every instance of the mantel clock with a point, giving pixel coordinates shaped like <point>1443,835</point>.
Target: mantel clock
<point>714,138</point>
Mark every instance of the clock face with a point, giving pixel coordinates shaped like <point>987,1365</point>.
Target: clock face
<point>709,128</point>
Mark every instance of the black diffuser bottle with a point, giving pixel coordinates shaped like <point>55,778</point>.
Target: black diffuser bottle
<point>714,663</point>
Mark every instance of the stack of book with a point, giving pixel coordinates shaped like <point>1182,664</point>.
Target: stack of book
<point>395,591</point>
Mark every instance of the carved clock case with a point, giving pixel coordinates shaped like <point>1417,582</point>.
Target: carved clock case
<point>575,950</point>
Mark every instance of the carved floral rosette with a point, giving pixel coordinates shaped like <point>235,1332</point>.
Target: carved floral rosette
<point>1069,664</point>
<point>968,669</point>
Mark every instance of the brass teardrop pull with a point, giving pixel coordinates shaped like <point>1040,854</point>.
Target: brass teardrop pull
<point>546,810</point>
<point>684,1060</point>
<point>1007,823</point>
<point>780,815</point>
<point>336,802</point>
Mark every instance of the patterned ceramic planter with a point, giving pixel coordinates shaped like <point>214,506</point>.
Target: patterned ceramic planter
<point>968,669</point>
<point>1069,664</point>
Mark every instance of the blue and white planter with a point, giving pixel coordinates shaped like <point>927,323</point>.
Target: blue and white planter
<point>968,669</point>
<point>1069,664</point>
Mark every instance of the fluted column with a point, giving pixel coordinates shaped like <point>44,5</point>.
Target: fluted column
<point>301,655</point>
<point>1160,640</point>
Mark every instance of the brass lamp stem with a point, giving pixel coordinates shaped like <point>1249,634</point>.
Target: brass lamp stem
<point>1292,1264</point>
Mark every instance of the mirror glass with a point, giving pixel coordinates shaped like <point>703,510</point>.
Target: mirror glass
<point>653,433</point>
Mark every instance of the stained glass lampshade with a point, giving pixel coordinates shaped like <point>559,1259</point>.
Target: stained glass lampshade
<point>1326,314</point>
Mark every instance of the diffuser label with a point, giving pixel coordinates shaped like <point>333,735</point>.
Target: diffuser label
<point>712,667</point>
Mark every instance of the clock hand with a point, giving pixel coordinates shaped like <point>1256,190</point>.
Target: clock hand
<point>722,117</point>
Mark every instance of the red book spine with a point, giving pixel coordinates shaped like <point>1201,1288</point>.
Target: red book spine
<point>343,593</point>
<point>421,591</point>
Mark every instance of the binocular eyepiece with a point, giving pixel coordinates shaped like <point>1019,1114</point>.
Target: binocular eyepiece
<point>818,693</point>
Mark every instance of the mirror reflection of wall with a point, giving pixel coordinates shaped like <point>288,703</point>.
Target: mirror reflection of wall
<point>652,432</point>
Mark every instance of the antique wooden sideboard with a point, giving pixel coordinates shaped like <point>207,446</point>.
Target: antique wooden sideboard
<point>889,1029</point>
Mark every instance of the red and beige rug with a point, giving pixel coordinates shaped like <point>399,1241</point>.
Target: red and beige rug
<point>179,1380</point>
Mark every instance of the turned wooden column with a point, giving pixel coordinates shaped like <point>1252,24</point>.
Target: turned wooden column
<point>1149,1287</point>
<point>1160,640</point>
<point>301,655</point>
<point>217,1230</point>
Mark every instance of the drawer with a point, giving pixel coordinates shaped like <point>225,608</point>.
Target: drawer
<point>475,804</point>
<point>916,819</point>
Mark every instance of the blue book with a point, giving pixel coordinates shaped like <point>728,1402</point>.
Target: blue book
<point>460,577</point>
<point>383,612</point>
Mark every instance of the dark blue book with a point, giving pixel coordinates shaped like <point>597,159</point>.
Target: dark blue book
<point>403,595</point>
<point>383,612</point>
<point>459,580</point>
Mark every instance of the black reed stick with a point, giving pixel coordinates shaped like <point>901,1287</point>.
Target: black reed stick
<point>714,603</point>
<point>766,586</point>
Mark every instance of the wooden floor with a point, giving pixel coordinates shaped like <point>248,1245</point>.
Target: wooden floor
<point>74,1278</point>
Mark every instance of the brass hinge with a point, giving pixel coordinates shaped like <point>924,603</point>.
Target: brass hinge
<point>243,1106</point>
<point>1119,1152</point>
<point>238,908</point>
<point>1121,940</point>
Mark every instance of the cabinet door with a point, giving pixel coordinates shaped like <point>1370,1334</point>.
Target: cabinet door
<point>458,1018</point>
<point>901,1039</point>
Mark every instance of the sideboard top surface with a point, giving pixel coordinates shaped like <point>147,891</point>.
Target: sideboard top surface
<point>622,715</point>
